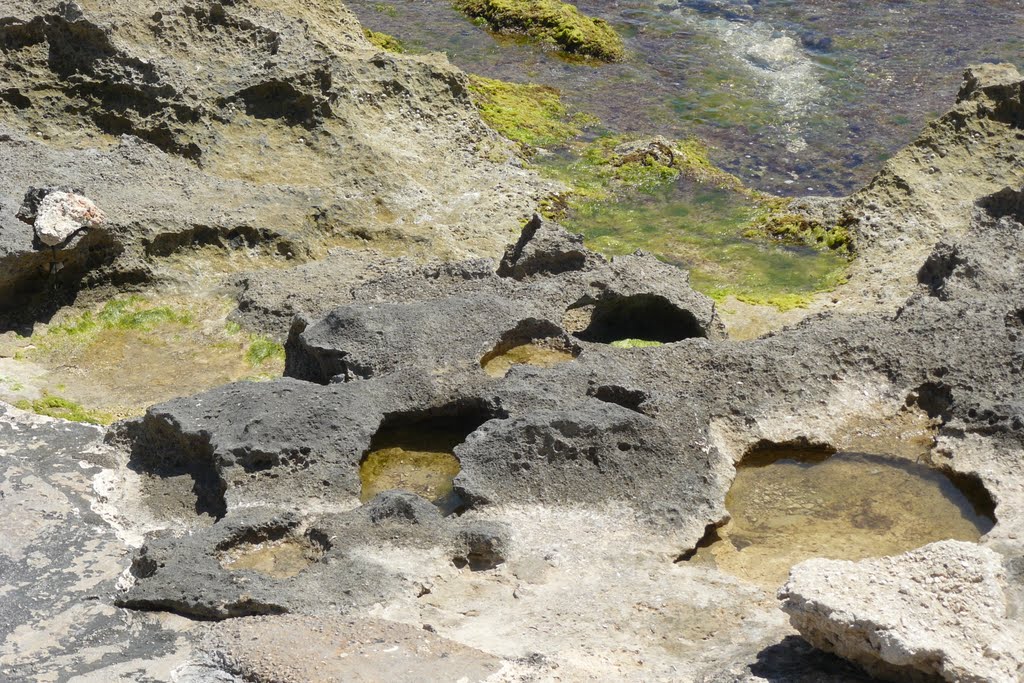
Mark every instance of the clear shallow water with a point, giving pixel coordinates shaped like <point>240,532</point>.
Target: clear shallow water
<point>847,506</point>
<point>797,97</point>
<point>700,229</point>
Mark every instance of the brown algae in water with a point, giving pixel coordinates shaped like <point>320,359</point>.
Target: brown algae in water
<point>848,506</point>
<point>533,353</point>
<point>418,459</point>
<point>282,558</point>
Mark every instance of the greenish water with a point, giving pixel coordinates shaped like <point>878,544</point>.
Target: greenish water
<point>796,96</point>
<point>537,354</point>
<point>701,229</point>
<point>418,458</point>
<point>849,506</point>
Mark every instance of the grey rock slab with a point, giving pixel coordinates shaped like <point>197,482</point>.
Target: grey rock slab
<point>297,649</point>
<point>61,563</point>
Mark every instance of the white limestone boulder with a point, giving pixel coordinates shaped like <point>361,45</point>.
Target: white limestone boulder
<point>936,613</point>
<point>62,214</point>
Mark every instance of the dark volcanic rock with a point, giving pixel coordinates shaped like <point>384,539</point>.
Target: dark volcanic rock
<point>445,320</point>
<point>568,455</point>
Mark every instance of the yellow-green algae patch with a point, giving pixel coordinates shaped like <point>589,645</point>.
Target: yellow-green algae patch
<point>534,353</point>
<point>532,115</point>
<point>790,506</point>
<point>558,23</point>
<point>635,344</point>
<point>384,41</point>
<point>65,409</point>
<point>667,197</point>
<point>419,459</point>
<point>111,361</point>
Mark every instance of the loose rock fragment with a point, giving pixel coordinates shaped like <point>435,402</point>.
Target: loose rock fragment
<point>936,613</point>
<point>62,214</point>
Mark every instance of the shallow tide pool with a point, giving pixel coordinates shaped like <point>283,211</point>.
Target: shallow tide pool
<point>846,506</point>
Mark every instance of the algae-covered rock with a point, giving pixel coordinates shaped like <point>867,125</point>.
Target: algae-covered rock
<point>550,20</point>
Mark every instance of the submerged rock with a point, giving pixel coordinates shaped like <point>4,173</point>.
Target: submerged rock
<point>939,612</point>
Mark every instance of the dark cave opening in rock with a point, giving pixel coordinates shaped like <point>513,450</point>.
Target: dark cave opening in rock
<point>414,451</point>
<point>798,499</point>
<point>647,317</point>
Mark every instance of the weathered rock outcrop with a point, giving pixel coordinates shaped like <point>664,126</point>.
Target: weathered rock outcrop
<point>937,613</point>
<point>926,192</point>
<point>267,128</point>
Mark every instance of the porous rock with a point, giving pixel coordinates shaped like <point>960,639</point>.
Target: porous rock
<point>936,613</point>
<point>61,214</point>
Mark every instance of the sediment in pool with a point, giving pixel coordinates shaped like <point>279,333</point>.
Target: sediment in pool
<point>788,504</point>
<point>416,453</point>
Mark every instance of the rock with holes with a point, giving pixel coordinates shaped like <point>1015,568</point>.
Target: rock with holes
<point>586,451</point>
<point>61,214</point>
<point>449,320</point>
<point>262,561</point>
<point>939,612</point>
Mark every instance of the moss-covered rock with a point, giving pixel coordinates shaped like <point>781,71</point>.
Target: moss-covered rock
<point>384,41</point>
<point>558,23</point>
<point>532,115</point>
<point>777,220</point>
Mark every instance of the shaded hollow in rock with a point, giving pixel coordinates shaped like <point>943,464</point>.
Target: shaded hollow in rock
<point>535,342</point>
<point>178,469</point>
<point>641,316</point>
<point>415,452</point>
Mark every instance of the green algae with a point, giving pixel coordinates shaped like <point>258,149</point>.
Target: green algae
<point>668,197</point>
<point>384,41</point>
<point>262,350</point>
<point>65,409</point>
<point>775,220</point>
<point>558,23</point>
<point>635,344</point>
<point>128,313</point>
<point>702,229</point>
<point>532,115</point>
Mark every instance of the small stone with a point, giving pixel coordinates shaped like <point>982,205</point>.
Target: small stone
<point>62,214</point>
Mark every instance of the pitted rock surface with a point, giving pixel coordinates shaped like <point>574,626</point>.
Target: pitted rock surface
<point>261,128</point>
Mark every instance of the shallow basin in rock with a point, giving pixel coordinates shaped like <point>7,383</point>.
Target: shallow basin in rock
<point>788,505</point>
<point>418,458</point>
<point>280,558</point>
<point>538,353</point>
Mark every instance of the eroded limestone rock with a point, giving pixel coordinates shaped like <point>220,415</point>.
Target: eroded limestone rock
<point>939,612</point>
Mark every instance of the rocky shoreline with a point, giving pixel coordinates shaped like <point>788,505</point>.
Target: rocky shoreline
<point>221,536</point>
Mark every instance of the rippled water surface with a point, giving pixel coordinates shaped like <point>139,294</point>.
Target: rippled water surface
<point>796,97</point>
